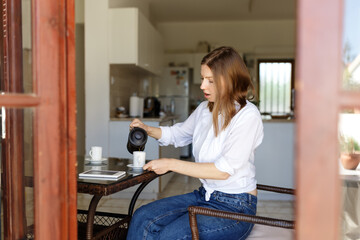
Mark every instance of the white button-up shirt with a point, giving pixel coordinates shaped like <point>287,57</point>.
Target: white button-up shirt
<point>232,151</point>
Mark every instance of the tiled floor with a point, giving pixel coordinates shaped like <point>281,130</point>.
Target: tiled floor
<point>180,184</point>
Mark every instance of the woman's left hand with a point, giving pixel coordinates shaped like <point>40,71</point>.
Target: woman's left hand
<point>159,166</point>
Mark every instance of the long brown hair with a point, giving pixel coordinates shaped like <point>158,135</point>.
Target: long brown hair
<point>232,82</point>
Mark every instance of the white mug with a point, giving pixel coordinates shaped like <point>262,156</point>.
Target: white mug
<point>139,158</point>
<point>96,153</point>
<point>96,168</point>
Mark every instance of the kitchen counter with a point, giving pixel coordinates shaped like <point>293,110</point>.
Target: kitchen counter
<point>175,117</point>
<point>153,119</point>
<point>276,154</point>
<point>279,120</point>
<point>282,118</point>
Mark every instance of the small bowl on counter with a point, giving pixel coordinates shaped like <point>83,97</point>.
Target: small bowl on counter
<point>122,115</point>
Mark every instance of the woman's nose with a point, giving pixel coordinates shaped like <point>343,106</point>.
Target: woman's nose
<point>202,85</point>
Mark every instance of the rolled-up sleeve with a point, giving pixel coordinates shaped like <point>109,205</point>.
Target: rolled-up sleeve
<point>245,135</point>
<point>179,134</point>
<point>223,165</point>
<point>165,136</point>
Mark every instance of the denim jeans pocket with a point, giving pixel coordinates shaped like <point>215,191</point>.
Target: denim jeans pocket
<point>241,202</point>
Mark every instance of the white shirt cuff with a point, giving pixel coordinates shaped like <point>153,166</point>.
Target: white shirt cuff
<point>165,136</point>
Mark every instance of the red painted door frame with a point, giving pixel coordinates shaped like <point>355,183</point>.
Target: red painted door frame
<point>54,102</point>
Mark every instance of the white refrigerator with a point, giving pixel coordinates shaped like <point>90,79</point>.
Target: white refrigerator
<point>174,96</point>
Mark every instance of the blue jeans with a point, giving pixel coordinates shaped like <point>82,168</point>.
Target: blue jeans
<point>168,218</point>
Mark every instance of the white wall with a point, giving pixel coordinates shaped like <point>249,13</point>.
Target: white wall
<point>245,36</point>
<point>26,22</point>
<point>96,75</point>
<point>79,11</point>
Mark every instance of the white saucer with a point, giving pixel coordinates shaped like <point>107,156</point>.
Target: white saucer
<point>96,164</point>
<point>91,161</point>
<point>134,168</point>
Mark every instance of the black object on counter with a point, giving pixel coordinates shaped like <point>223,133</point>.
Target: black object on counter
<point>151,107</point>
<point>136,140</point>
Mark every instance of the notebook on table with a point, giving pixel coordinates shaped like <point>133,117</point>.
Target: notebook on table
<point>102,174</point>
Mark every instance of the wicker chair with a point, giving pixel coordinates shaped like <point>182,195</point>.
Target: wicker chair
<point>264,228</point>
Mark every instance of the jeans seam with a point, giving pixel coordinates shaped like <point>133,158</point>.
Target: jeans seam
<point>218,229</point>
<point>247,232</point>
<point>160,217</point>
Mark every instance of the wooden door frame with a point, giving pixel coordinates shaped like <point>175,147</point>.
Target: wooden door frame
<point>54,99</point>
<point>13,145</point>
<point>317,65</point>
<point>320,100</point>
<point>318,77</point>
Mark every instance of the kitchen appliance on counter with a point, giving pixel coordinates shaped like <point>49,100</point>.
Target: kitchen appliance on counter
<point>136,106</point>
<point>151,107</point>
<point>174,96</point>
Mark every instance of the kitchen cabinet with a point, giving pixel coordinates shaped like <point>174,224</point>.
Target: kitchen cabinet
<point>133,40</point>
<point>118,137</point>
<point>274,158</point>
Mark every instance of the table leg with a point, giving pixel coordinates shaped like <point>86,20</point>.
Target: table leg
<point>91,215</point>
<point>135,197</point>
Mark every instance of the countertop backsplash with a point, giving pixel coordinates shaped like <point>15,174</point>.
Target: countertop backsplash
<point>125,80</point>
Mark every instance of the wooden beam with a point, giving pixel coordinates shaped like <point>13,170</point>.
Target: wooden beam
<point>55,120</point>
<point>13,144</point>
<point>71,173</point>
<point>318,73</point>
<point>19,100</point>
<point>349,99</point>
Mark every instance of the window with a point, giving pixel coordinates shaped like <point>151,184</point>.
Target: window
<point>275,86</point>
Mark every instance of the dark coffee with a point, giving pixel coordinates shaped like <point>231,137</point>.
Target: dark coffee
<point>136,140</point>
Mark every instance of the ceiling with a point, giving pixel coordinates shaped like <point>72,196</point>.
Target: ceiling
<point>221,10</point>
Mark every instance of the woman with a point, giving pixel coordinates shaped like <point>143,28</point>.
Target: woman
<point>224,132</point>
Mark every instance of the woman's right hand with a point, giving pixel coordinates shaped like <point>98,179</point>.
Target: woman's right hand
<point>137,123</point>
<point>154,132</point>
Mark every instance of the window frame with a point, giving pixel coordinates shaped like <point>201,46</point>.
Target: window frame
<point>276,60</point>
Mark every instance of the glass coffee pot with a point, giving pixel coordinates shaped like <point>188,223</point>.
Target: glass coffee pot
<point>136,140</point>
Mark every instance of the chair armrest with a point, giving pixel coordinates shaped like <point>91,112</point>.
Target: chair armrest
<point>275,189</point>
<point>193,210</point>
